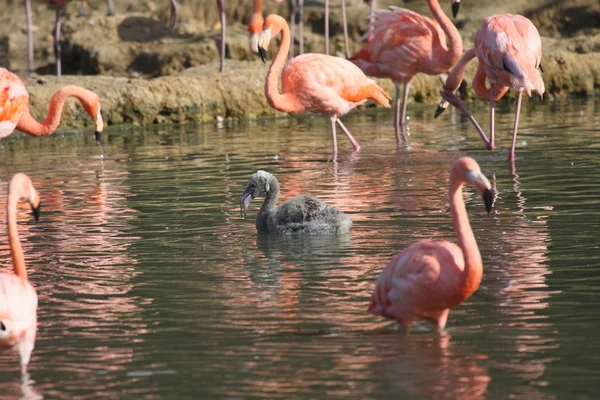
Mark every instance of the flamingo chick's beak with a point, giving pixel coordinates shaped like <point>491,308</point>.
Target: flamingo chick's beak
<point>455,8</point>
<point>245,200</point>
<point>263,44</point>
<point>478,179</point>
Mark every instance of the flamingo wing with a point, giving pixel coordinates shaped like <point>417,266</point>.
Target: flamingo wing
<point>510,47</point>
<point>401,44</point>
<point>329,85</point>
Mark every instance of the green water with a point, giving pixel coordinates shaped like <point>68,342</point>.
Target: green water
<point>151,286</point>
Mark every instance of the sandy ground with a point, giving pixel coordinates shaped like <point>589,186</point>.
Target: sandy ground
<point>147,74</point>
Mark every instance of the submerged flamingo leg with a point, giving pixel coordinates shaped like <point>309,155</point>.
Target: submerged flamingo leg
<point>455,101</point>
<point>301,26</point>
<point>221,7</point>
<point>294,7</point>
<point>492,118</point>
<point>511,155</point>
<point>345,25</point>
<point>111,8</point>
<point>57,49</point>
<point>333,137</point>
<point>29,36</point>
<point>327,27</point>
<point>349,135</point>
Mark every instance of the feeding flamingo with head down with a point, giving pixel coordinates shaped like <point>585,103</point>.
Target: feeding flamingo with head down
<point>402,43</point>
<point>14,107</point>
<point>316,83</point>
<point>427,279</point>
<point>18,299</point>
<point>509,51</point>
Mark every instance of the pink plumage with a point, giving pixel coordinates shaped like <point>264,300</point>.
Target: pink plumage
<point>403,43</point>
<point>428,278</point>
<point>509,51</point>
<point>18,300</point>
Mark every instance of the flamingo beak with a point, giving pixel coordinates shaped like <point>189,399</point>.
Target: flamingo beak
<point>99,126</point>
<point>478,179</point>
<point>245,200</point>
<point>441,108</point>
<point>263,44</point>
<point>455,8</point>
<point>488,199</point>
<point>35,211</point>
<point>254,42</point>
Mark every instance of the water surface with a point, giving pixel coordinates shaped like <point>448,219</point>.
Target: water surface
<point>151,286</point>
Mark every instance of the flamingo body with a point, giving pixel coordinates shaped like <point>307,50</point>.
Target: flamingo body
<point>428,278</point>
<point>328,85</point>
<point>402,43</point>
<point>14,100</point>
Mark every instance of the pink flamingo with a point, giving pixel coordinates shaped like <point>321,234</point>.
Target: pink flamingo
<point>14,107</point>
<point>427,279</point>
<point>57,5</point>
<point>509,51</point>
<point>403,43</point>
<point>317,83</point>
<point>18,300</point>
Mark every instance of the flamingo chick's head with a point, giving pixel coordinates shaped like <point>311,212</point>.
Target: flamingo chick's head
<point>455,7</point>
<point>466,170</point>
<point>258,185</point>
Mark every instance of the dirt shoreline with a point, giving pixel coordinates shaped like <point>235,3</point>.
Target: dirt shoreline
<point>146,74</point>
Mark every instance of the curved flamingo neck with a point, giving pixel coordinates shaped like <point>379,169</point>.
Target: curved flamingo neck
<point>453,50</point>
<point>282,102</point>
<point>481,90</point>
<point>466,240</point>
<point>268,205</point>
<point>256,19</point>
<point>257,6</point>
<point>17,189</point>
<point>31,126</point>
<point>456,76</point>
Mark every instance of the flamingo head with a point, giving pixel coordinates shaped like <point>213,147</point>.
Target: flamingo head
<point>455,7</point>
<point>466,170</point>
<point>258,185</point>
<point>271,28</point>
<point>93,106</point>
<point>35,202</point>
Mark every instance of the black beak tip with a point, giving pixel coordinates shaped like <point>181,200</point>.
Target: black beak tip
<point>263,54</point>
<point>488,199</point>
<point>35,211</point>
<point>97,136</point>
<point>455,8</point>
<point>440,110</point>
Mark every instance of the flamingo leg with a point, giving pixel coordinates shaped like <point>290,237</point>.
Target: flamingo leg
<point>333,137</point>
<point>404,102</point>
<point>349,135</point>
<point>294,7</point>
<point>511,155</point>
<point>345,24</point>
<point>492,116</point>
<point>221,7</point>
<point>371,18</point>
<point>111,8</point>
<point>57,49</point>
<point>455,101</point>
<point>301,26</point>
<point>397,107</point>
<point>327,27</point>
<point>174,14</point>
<point>29,36</point>
<point>81,10</point>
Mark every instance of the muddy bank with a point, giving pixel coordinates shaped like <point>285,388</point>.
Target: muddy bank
<point>201,94</point>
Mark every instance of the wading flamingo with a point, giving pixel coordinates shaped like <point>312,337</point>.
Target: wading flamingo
<point>57,5</point>
<point>316,83</point>
<point>403,43</point>
<point>18,300</point>
<point>509,51</point>
<point>14,107</point>
<point>427,279</point>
